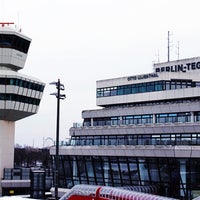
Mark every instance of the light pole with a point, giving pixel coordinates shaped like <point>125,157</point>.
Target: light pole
<point>59,96</point>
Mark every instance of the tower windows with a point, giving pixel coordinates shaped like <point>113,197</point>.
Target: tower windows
<point>22,83</point>
<point>14,42</point>
<point>19,98</point>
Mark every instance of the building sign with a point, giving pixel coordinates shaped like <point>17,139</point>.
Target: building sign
<point>180,68</point>
<point>144,76</point>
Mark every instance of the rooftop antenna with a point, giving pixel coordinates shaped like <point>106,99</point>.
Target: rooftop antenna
<point>178,49</point>
<point>168,46</point>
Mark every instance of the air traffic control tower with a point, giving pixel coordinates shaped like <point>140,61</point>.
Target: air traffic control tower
<point>20,95</point>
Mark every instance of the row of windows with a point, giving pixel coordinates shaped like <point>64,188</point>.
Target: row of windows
<point>143,119</point>
<point>177,178</point>
<point>22,83</point>
<point>14,42</point>
<point>19,98</point>
<point>145,87</point>
<point>137,119</point>
<point>111,121</point>
<point>176,117</point>
<point>147,139</point>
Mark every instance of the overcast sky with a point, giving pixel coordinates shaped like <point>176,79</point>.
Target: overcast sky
<point>82,41</point>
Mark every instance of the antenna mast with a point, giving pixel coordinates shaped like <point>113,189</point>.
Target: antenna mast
<point>178,50</point>
<point>169,42</point>
<point>168,46</point>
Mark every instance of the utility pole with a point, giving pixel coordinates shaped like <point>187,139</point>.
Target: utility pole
<point>59,96</point>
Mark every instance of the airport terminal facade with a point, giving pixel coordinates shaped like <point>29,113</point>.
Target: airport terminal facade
<point>146,133</point>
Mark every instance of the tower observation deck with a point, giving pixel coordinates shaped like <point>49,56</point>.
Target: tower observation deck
<point>20,95</point>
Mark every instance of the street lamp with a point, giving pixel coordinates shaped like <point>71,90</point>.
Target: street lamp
<point>59,96</point>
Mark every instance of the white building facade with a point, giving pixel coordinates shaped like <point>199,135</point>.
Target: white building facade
<point>147,133</point>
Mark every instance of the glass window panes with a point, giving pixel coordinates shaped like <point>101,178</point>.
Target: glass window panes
<point>145,87</point>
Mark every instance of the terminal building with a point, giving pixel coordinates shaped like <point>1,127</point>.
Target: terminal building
<point>146,133</point>
<point>20,95</point>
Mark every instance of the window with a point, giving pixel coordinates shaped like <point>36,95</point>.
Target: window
<point>120,90</point>
<point>147,119</point>
<point>151,87</point>
<point>172,117</point>
<point>137,119</point>
<point>115,121</point>
<point>113,91</point>
<point>197,116</point>
<point>135,89</point>
<point>15,42</point>
<point>159,86</point>
<point>127,89</point>
<point>161,118</point>
<point>142,87</point>
<point>127,119</point>
<point>106,92</point>
<point>87,122</point>
<point>12,81</point>
<point>173,85</point>
<point>99,92</point>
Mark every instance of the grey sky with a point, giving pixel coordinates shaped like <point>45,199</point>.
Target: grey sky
<point>81,41</point>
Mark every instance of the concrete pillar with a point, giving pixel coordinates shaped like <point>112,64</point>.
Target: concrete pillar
<point>75,171</point>
<point>192,116</point>
<point>154,119</point>
<point>7,136</point>
<point>183,175</point>
<point>106,172</point>
<point>120,120</point>
<point>92,122</point>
